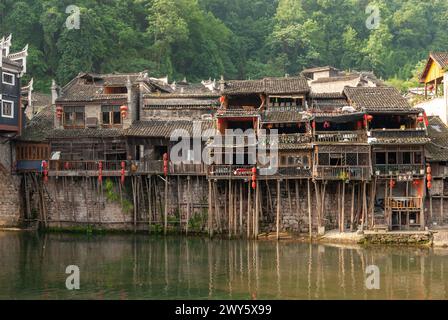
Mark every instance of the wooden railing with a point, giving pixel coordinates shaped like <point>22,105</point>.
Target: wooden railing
<point>61,165</point>
<point>293,172</point>
<point>285,139</point>
<point>397,169</point>
<point>188,168</point>
<point>404,203</point>
<point>342,173</point>
<point>230,171</point>
<point>341,137</point>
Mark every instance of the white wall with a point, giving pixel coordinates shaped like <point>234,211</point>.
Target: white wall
<point>435,107</point>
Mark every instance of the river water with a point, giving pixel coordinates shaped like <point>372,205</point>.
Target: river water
<point>32,266</point>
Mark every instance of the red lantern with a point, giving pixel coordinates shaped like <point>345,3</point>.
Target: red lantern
<point>165,164</point>
<point>100,172</point>
<point>45,170</point>
<point>123,166</point>
<point>222,99</point>
<point>124,111</point>
<point>59,112</point>
<point>420,119</point>
<point>429,177</point>
<point>66,166</point>
<point>429,185</point>
<point>369,118</point>
<point>313,124</point>
<point>428,170</point>
<point>392,183</point>
<point>254,185</point>
<point>254,178</point>
<point>326,124</point>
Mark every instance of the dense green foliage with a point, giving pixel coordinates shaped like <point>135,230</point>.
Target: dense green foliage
<point>237,38</point>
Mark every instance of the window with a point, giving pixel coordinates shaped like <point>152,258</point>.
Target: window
<point>380,158</point>
<point>74,116</point>
<point>115,90</point>
<point>406,158</point>
<point>8,78</point>
<point>7,109</point>
<point>111,115</point>
<point>418,158</point>
<point>392,158</point>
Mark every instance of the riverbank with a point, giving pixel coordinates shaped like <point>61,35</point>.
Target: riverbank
<point>435,238</point>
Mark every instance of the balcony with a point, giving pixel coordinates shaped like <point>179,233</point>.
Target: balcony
<point>342,173</point>
<point>404,203</point>
<point>285,141</point>
<point>399,169</point>
<point>156,167</point>
<point>289,172</point>
<point>230,171</point>
<point>84,168</point>
<point>341,137</point>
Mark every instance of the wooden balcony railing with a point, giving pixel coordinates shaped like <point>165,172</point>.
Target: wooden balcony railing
<point>342,173</point>
<point>341,137</point>
<point>293,172</point>
<point>398,169</point>
<point>398,133</point>
<point>61,165</point>
<point>230,171</point>
<point>404,203</point>
<point>285,140</point>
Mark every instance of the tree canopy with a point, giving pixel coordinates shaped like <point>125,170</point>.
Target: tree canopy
<point>201,39</point>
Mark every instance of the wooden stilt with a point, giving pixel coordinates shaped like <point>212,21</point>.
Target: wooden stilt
<point>241,209</point>
<point>352,211</point>
<point>322,203</point>
<point>289,196</point>
<point>149,204</point>
<point>278,209</point>
<point>188,205</point>
<point>165,229</point>
<point>310,222</point>
<point>230,213</point>
<point>343,208</point>
<point>318,203</point>
<point>257,209</point>
<point>296,184</point>
<point>364,204</point>
<point>210,212</point>
<point>249,209</point>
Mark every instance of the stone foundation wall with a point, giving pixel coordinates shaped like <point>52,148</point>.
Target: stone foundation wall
<point>423,238</point>
<point>10,205</point>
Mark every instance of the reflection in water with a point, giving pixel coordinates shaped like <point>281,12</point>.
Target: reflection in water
<point>32,266</point>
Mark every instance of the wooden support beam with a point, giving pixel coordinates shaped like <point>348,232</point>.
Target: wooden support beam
<point>230,213</point>
<point>343,208</point>
<point>149,202</point>
<point>352,211</point>
<point>278,210</point>
<point>249,209</point>
<point>241,186</point>
<point>166,205</point>
<point>310,221</point>
<point>210,210</point>
<point>257,209</point>
<point>189,204</point>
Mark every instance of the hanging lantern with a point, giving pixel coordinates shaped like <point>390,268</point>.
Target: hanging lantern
<point>100,172</point>
<point>124,111</point>
<point>416,182</point>
<point>428,170</point>
<point>254,178</point>
<point>369,118</point>
<point>45,170</point>
<point>123,166</point>
<point>327,125</point>
<point>66,166</point>
<point>392,183</point>
<point>429,177</point>
<point>429,184</point>
<point>420,119</point>
<point>222,99</point>
<point>425,118</point>
<point>59,112</point>
<point>313,124</point>
<point>165,164</point>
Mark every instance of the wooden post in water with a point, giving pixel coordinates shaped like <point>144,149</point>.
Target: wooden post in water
<point>257,209</point>
<point>278,209</point>
<point>188,205</point>
<point>310,222</point>
<point>249,209</point>
<point>149,204</point>
<point>166,206</point>
<point>352,213</point>
<point>210,212</point>
<point>343,208</point>
<point>230,207</point>
<point>241,209</point>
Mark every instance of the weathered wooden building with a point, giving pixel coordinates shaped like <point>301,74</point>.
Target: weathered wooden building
<point>242,158</point>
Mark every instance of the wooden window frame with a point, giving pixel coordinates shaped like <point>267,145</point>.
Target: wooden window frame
<point>13,78</point>
<point>12,109</point>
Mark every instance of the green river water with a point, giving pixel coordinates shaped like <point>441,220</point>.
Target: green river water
<point>32,266</point>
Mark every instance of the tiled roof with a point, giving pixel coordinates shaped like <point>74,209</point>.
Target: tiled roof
<point>39,127</point>
<point>268,86</point>
<point>338,78</point>
<point>85,133</point>
<point>184,103</point>
<point>376,99</point>
<point>79,90</point>
<point>437,149</point>
<point>283,116</point>
<point>165,128</point>
<point>441,58</point>
<point>397,137</point>
<point>326,95</point>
